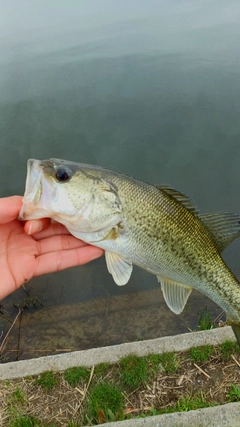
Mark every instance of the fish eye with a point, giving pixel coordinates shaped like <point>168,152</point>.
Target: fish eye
<point>63,174</point>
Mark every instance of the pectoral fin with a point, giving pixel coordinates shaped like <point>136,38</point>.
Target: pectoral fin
<point>120,268</point>
<point>175,294</point>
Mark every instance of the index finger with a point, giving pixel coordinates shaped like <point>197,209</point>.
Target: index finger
<point>34,226</point>
<point>49,229</point>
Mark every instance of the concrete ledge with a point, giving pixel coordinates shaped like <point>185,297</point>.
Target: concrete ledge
<point>221,416</point>
<point>113,354</point>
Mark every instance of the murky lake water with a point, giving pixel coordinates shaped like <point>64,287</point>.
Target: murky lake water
<point>147,88</point>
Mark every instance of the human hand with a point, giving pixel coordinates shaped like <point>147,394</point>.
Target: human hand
<point>35,248</point>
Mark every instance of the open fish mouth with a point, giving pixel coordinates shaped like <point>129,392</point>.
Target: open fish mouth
<point>33,189</point>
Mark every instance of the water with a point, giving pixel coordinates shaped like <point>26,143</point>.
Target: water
<point>147,88</point>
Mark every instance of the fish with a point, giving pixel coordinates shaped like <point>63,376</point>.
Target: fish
<point>136,223</point>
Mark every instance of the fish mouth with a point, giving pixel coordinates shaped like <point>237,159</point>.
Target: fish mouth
<point>33,191</point>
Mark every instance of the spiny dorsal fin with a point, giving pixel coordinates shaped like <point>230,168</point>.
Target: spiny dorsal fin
<point>175,294</point>
<point>224,227</point>
<point>180,197</point>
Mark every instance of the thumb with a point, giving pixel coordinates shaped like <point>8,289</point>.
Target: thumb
<point>9,208</point>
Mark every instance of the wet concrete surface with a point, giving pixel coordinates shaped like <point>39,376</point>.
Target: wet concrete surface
<point>97,322</point>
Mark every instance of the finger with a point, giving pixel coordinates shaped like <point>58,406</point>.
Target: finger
<point>9,208</point>
<point>36,225</point>
<point>53,229</point>
<point>59,243</point>
<point>56,261</point>
<point>44,227</point>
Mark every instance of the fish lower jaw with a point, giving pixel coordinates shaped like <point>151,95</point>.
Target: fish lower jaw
<point>30,212</point>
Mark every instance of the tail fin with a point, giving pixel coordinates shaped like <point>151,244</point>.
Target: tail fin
<point>236,330</point>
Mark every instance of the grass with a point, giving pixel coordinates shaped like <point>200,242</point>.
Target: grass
<point>169,362</point>
<point>234,393</point>
<point>17,397</point>
<point>201,354</point>
<point>47,380</point>
<point>25,421</point>
<point>102,369</point>
<point>153,364</point>
<point>136,371</point>
<point>74,375</point>
<point>205,322</point>
<point>105,403</point>
<point>133,371</point>
<point>227,348</point>
<point>190,403</point>
<point>134,387</point>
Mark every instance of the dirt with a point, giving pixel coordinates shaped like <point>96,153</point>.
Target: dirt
<point>207,382</point>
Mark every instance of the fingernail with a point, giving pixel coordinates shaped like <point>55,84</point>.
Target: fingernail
<point>35,227</point>
<point>30,229</point>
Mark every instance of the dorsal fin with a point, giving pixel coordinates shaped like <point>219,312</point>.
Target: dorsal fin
<point>180,197</point>
<point>224,227</point>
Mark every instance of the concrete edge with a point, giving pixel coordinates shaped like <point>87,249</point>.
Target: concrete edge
<point>113,354</point>
<point>219,416</point>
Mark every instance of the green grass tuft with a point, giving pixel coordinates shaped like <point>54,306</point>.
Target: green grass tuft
<point>169,362</point>
<point>101,369</point>
<point>105,398</point>
<point>134,372</point>
<point>154,362</point>
<point>227,348</point>
<point>205,321</point>
<point>25,421</point>
<point>47,380</point>
<point>76,374</point>
<point>234,393</point>
<point>193,402</point>
<point>17,397</point>
<point>201,354</point>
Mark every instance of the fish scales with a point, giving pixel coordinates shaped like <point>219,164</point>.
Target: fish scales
<point>186,246</point>
<point>155,228</point>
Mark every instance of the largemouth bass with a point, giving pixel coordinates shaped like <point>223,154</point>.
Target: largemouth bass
<point>156,228</point>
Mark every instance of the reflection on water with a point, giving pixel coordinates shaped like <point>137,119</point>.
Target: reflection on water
<point>151,89</point>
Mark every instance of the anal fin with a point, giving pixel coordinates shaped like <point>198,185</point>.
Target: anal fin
<point>175,294</point>
<point>120,268</point>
